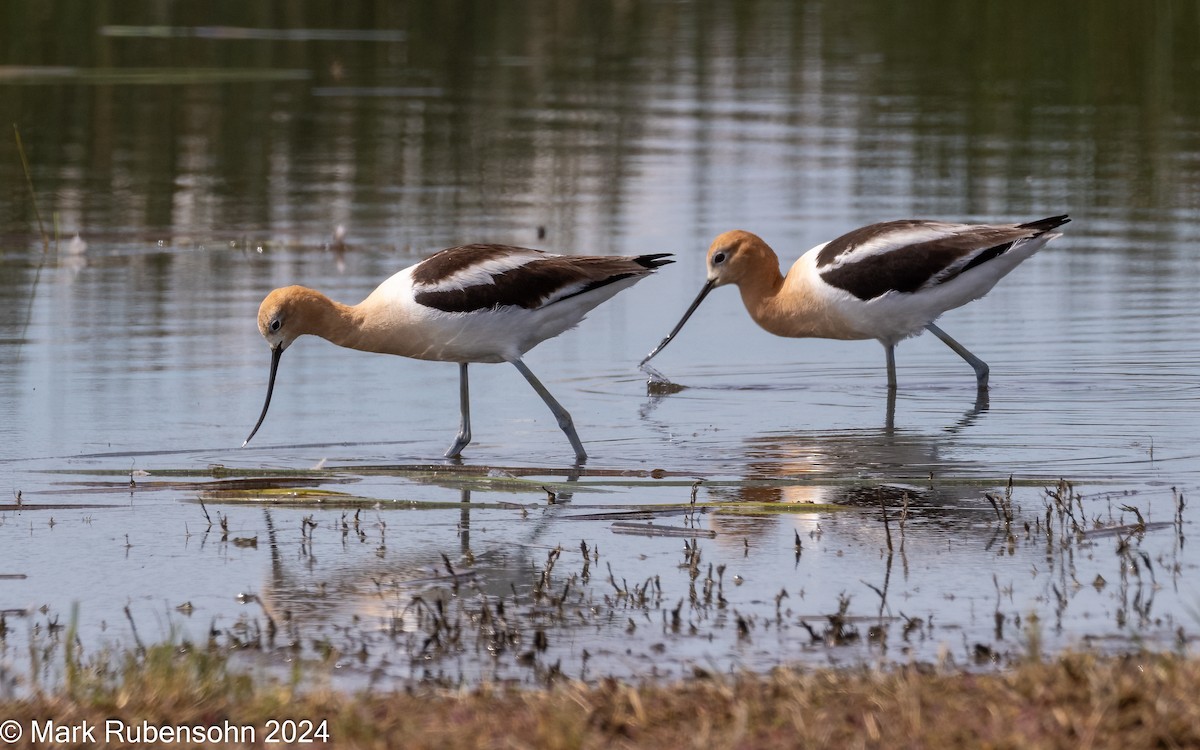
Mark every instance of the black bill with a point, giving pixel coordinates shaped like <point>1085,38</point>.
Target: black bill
<point>276,353</point>
<point>708,287</point>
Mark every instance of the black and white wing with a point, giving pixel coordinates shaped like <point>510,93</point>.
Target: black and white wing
<point>910,255</point>
<point>479,277</point>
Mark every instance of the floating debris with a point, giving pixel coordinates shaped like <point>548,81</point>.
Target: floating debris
<point>651,529</point>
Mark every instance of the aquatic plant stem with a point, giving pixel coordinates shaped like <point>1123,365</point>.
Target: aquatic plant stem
<point>29,184</point>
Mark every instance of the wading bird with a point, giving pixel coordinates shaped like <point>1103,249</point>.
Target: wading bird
<point>474,303</point>
<point>884,281</point>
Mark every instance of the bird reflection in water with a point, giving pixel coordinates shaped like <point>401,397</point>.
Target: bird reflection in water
<point>382,584</point>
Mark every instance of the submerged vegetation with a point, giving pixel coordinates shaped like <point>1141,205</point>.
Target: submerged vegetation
<point>392,674</point>
<point>536,584</point>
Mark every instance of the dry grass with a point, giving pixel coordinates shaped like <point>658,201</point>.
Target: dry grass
<point>1079,700</point>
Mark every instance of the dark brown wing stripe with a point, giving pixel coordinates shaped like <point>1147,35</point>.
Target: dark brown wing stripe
<point>539,282</point>
<point>527,286</point>
<point>907,271</point>
<point>445,264</point>
<point>984,257</point>
<point>649,262</point>
<point>856,237</point>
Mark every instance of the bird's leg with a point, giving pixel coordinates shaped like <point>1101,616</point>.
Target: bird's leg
<point>891,366</point>
<point>980,367</point>
<point>464,427</point>
<point>564,419</point>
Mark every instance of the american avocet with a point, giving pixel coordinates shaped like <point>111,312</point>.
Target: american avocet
<point>884,281</point>
<point>474,303</point>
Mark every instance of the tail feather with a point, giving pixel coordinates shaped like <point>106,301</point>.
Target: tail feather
<point>1045,225</point>
<point>654,260</point>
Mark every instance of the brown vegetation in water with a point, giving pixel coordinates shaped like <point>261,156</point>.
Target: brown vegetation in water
<point>1078,700</point>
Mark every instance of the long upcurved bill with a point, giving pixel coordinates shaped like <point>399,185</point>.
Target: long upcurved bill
<point>276,352</point>
<point>708,287</point>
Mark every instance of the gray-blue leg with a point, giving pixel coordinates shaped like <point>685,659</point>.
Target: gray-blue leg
<point>464,427</point>
<point>980,367</point>
<point>891,365</point>
<point>565,423</point>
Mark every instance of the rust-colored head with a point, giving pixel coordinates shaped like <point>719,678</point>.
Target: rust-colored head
<point>283,316</point>
<point>735,255</point>
<point>286,314</point>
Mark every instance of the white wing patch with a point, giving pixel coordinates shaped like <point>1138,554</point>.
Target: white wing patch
<point>484,272</point>
<point>892,239</point>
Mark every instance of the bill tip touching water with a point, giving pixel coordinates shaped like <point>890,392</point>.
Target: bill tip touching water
<point>481,303</point>
<point>885,281</point>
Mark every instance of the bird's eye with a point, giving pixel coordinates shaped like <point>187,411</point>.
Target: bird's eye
<point>276,324</point>
<point>718,258</point>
